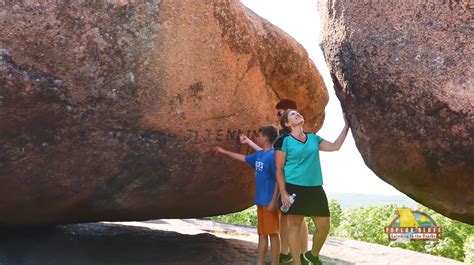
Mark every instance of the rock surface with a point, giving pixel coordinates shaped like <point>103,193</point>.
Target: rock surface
<point>404,73</point>
<point>108,111</point>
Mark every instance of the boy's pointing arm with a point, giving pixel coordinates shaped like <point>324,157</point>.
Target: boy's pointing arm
<point>230,154</point>
<point>245,140</point>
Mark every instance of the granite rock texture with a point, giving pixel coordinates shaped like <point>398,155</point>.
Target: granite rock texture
<point>108,111</point>
<point>404,73</point>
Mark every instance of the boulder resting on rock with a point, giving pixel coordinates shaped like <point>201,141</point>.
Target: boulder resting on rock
<point>108,111</point>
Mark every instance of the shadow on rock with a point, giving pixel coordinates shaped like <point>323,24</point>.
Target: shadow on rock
<point>99,243</point>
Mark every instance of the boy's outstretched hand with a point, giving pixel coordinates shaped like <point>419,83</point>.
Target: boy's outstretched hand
<point>217,150</point>
<point>244,139</point>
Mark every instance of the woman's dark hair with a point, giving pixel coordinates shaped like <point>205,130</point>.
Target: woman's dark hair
<point>284,120</point>
<point>285,130</point>
<point>269,131</point>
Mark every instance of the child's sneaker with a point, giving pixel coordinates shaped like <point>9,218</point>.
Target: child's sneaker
<point>309,259</point>
<point>286,259</point>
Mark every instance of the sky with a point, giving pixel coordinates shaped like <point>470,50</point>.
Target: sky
<point>343,171</point>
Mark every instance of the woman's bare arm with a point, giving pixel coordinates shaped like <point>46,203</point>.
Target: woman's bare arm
<point>280,158</point>
<point>329,147</point>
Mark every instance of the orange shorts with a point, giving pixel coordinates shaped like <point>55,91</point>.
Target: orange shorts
<point>268,222</point>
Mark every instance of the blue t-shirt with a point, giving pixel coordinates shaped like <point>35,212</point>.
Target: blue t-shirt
<point>265,172</point>
<point>302,165</point>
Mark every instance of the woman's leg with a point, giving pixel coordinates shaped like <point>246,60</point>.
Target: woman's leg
<point>304,236</point>
<point>322,225</point>
<point>262,249</point>
<point>285,249</point>
<point>294,237</point>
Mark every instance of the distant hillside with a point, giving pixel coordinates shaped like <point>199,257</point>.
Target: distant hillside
<point>354,200</point>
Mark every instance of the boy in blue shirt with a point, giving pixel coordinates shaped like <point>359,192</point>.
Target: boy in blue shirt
<point>263,161</point>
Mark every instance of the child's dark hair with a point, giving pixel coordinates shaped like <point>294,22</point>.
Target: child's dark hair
<point>284,120</point>
<point>269,131</point>
<point>286,104</point>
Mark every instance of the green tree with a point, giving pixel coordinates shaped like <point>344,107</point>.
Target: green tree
<point>366,223</point>
<point>453,242</point>
<point>336,212</point>
<point>469,249</point>
<point>245,217</point>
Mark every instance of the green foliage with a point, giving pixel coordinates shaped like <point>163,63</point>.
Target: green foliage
<point>335,210</point>
<point>453,241</point>
<point>469,249</point>
<point>336,215</point>
<point>311,227</point>
<point>368,223</point>
<point>245,217</point>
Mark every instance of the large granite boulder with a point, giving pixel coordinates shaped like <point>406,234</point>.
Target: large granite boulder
<point>404,73</point>
<point>108,111</point>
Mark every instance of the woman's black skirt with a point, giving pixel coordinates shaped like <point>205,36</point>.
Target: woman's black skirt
<point>309,201</point>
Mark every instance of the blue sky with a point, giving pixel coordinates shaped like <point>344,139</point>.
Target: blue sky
<point>343,171</point>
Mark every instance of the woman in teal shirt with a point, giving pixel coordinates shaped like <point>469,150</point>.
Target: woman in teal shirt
<point>299,172</point>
